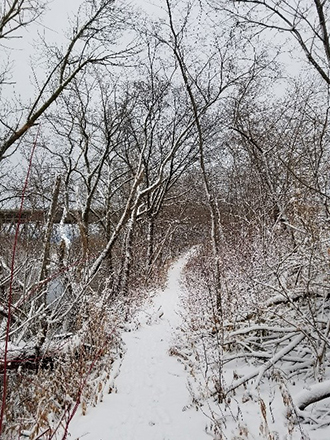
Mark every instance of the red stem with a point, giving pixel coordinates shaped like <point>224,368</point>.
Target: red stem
<point>5,382</point>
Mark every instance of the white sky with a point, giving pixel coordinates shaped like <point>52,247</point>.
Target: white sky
<point>52,26</point>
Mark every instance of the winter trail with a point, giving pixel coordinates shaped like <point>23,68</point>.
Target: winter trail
<point>152,396</point>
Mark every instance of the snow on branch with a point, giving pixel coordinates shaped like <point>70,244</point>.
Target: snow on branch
<point>271,362</point>
<point>314,393</point>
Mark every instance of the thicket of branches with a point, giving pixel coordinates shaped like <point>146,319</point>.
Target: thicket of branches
<point>130,154</point>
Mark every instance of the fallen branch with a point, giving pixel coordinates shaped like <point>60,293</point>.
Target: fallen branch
<point>257,328</point>
<point>314,393</point>
<point>266,356</point>
<point>261,371</point>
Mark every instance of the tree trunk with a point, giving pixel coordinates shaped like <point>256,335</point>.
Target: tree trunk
<point>150,242</point>
<point>49,229</point>
<point>126,268</point>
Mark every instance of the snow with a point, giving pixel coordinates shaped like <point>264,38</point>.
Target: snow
<point>314,393</point>
<point>152,401</point>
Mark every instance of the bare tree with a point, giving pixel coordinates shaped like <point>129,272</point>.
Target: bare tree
<point>307,23</point>
<point>96,24</point>
<point>207,83</point>
<point>17,14</point>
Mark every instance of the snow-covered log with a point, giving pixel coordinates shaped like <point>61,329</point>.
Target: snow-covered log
<point>27,358</point>
<point>314,393</point>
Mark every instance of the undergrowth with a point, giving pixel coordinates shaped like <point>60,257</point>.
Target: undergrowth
<point>267,349</point>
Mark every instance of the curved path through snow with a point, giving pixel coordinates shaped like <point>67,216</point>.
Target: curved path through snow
<point>152,396</point>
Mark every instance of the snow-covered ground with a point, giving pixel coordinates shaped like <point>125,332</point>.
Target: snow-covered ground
<point>150,398</point>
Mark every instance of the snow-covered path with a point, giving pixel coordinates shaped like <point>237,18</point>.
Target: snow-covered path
<point>152,396</point>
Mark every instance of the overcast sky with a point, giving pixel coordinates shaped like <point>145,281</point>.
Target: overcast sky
<point>52,26</point>
<point>23,49</point>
